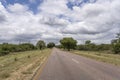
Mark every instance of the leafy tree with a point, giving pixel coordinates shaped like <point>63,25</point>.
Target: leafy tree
<point>88,45</point>
<point>87,42</point>
<point>40,45</point>
<point>50,45</point>
<point>68,43</point>
<point>116,44</point>
<point>116,48</point>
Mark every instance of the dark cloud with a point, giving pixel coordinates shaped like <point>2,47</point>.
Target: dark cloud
<point>27,37</point>
<point>51,21</point>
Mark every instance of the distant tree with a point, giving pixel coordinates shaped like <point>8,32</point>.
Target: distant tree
<point>116,44</point>
<point>6,48</point>
<point>68,43</point>
<point>26,46</point>
<point>114,41</point>
<point>88,45</point>
<point>81,47</point>
<point>118,36</point>
<point>116,48</point>
<point>50,45</point>
<point>40,45</point>
<point>59,46</point>
<point>87,42</point>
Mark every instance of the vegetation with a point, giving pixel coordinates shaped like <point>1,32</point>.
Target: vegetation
<point>50,45</point>
<point>103,56</point>
<point>94,47</point>
<point>40,45</point>
<point>21,65</point>
<point>68,43</point>
<point>116,48</point>
<point>6,48</point>
<point>116,44</point>
<point>22,60</point>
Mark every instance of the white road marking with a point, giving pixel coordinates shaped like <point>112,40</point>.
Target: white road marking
<point>75,61</point>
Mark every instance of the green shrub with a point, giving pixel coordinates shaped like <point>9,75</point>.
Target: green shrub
<point>2,53</point>
<point>15,59</point>
<point>28,56</point>
<point>116,48</point>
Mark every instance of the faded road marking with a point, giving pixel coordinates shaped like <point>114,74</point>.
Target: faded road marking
<point>75,61</point>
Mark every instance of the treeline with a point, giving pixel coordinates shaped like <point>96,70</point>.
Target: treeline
<point>65,43</point>
<point>6,48</point>
<point>94,47</point>
<point>70,43</point>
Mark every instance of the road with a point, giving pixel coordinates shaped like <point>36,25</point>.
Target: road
<point>67,66</point>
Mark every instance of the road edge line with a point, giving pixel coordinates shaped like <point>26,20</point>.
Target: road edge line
<point>39,69</point>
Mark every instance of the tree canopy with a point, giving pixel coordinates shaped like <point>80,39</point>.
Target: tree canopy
<point>116,44</point>
<point>68,43</point>
<point>50,45</point>
<point>40,44</point>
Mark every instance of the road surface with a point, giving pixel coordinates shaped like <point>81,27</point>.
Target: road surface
<point>67,66</point>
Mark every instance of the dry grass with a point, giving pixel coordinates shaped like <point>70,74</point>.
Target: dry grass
<point>101,56</point>
<point>22,65</point>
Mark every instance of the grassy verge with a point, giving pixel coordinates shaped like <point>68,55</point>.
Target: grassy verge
<point>101,56</point>
<point>21,65</point>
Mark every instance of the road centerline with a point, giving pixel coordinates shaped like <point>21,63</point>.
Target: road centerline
<point>75,60</point>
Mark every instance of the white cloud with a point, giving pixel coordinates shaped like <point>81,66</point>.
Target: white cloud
<point>97,21</point>
<point>17,8</point>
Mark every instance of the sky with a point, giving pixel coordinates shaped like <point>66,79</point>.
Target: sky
<point>51,20</point>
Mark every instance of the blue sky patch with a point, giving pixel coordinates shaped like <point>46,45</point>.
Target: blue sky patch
<point>32,6</point>
<point>78,3</point>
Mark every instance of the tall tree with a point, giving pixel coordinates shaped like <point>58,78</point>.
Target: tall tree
<point>68,43</point>
<point>116,44</point>
<point>40,44</point>
<point>87,42</point>
<point>51,45</point>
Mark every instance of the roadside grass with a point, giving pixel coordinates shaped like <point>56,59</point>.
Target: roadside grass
<point>100,56</point>
<point>21,65</point>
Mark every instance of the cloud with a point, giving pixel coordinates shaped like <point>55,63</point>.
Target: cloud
<point>2,18</point>
<point>95,20</point>
<point>54,21</point>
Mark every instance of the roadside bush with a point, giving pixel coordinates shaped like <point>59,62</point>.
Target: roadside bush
<point>116,48</point>
<point>94,47</point>
<point>2,53</point>
<point>6,48</point>
<point>15,59</point>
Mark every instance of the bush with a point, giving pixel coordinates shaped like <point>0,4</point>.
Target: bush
<point>116,48</point>
<point>2,53</point>
<point>15,59</point>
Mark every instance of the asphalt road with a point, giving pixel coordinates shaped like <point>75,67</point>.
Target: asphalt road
<point>66,66</point>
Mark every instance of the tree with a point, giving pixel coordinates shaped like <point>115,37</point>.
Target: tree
<point>87,42</point>
<point>116,44</point>
<point>68,43</point>
<point>116,48</point>
<point>40,45</point>
<point>88,45</point>
<point>50,45</point>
